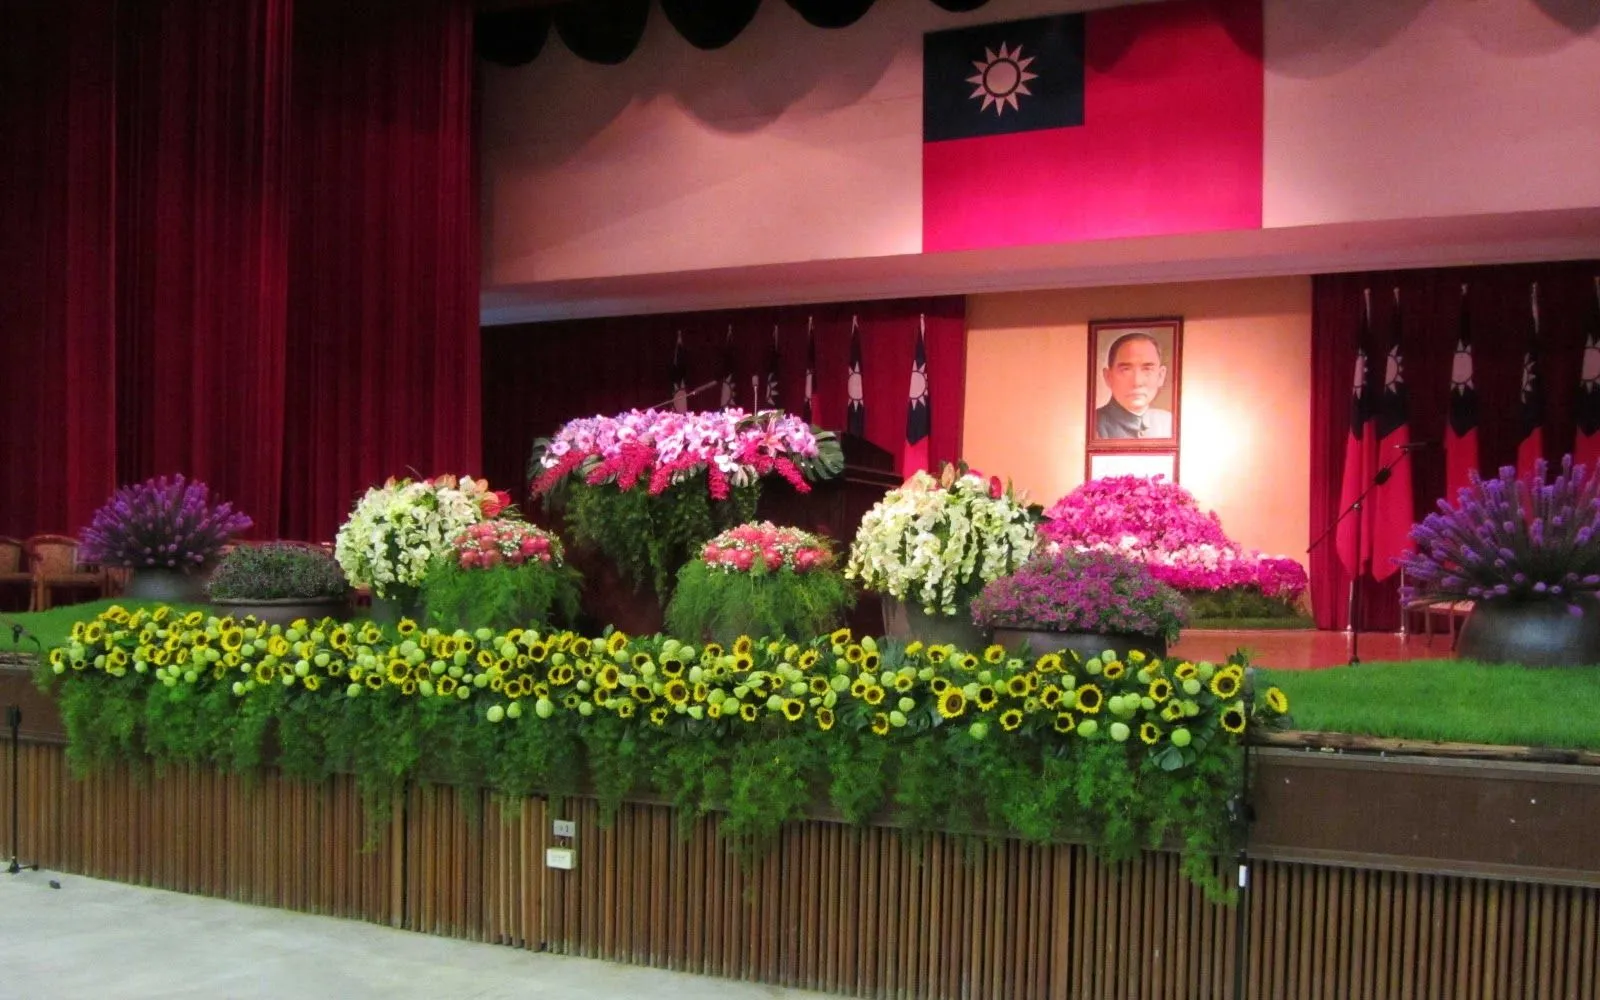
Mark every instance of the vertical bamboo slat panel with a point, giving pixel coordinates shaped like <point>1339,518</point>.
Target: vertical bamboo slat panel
<point>869,912</point>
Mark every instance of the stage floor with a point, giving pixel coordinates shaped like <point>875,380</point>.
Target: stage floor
<point>1310,649</point>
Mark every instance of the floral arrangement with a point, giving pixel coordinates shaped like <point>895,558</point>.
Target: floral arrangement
<point>278,571</point>
<point>936,542</point>
<point>1123,749</point>
<point>760,579</point>
<point>1098,592</point>
<point>1161,524</point>
<point>161,523</point>
<point>397,530</point>
<point>661,448</point>
<point>1510,539</point>
<point>648,487</point>
<point>501,574</point>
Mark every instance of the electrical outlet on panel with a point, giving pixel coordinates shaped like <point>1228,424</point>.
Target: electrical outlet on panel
<point>564,858</point>
<point>565,828</point>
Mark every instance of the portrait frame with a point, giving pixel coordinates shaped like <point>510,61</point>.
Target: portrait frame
<point>1117,431</point>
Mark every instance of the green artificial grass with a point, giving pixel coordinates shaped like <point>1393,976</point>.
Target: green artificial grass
<point>1245,624</point>
<point>1447,700</point>
<point>53,627</point>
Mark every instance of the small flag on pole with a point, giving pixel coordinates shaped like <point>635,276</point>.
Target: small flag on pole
<point>1587,449</point>
<point>856,417</point>
<point>680,377</point>
<point>811,371</point>
<point>1531,448</point>
<point>773,358</point>
<point>1358,467</point>
<point>1393,511</point>
<point>727,369</point>
<point>919,413</point>
<point>1461,430</point>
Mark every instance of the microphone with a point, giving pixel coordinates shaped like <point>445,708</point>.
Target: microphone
<point>1416,445</point>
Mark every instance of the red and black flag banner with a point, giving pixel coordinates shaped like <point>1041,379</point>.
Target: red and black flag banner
<point>1393,512</point>
<point>727,369</point>
<point>1587,449</point>
<point>1461,429</point>
<point>680,376</point>
<point>810,403</point>
<point>770,396</point>
<point>919,411</point>
<point>856,414</point>
<point>1358,457</point>
<point>1531,448</point>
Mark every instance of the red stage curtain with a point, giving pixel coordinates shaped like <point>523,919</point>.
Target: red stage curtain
<point>383,345</point>
<point>57,347</point>
<point>535,376</point>
<point>1431,303</point>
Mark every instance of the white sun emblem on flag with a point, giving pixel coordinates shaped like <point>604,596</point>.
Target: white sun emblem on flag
<point>1360,386</point>
<point>1001,77</point>
<point>1461,368</point>
<point>1392,376</point>
<point>1530,375</point>
<point>1589,377</point>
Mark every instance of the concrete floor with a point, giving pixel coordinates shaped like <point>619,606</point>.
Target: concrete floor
<point>109,941</point>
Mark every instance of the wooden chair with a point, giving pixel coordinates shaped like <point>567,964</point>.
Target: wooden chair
<point>53,560</point>
<point>14,573</point>
<point>1451,615</point>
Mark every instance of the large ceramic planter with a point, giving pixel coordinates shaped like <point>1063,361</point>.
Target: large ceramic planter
<point>285,610</point>
<point>400,602</point>
<point>165,585</point>
<point>1085,644</point>
<point>908,621</point>
<point>1533,633</point>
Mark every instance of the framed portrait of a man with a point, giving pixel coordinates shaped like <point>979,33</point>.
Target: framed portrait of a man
<point>1135,368</point>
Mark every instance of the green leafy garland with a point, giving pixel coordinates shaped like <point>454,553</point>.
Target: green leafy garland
<point>972,742</point>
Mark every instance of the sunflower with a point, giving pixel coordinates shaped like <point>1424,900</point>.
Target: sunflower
<point>1065,723</point>
<point>1184,671</point>
<point>671,667</point>
<point>839,636</point>
<point>625,709</point>
<point>871,659</point>
<point>582,647</point>
<point>1010,719</point>
<point>937,654</point>
<point>232,639</point>
<point>1017,685</point>
<point>374,682</point>
<point>538,651</point>
<point>397,671</point>
<point>853,654</point>
<point>938,685</point>
<point>1172,711</point>
<point>193,619</point>
<point>747,712</point>
<point>446,686</point>
<point>952,702</point>
<point>873,695</point>
<point>987,698</point>
<point>486,658</point>
<point>1225,683</point>
<point>409,688</point>
<point>743,646</point>
<point>968,661</point>
<point>641,660</point>
<point>1277,700</point>
<point>406,628</point>
<point>742,661</point>
<point>1233,719</point>
<point>339,639</point>
<point>1050,697</point>
<point>676,691</point>
<point>880,724</point>
<point>793,709</point>
<point>808,659</point>
<point>616,642</point>
<point>160,614</point>
<point>994,654</point>
<point>1049,663</point>
<point>642,694</point>
<point>714,710</point>
<point>1114,670</point>
<point>824,718</point>
<point>1089,699</point>
<point>711,651</point>
<point>904,682</point>
<point>1150,733</point>
<point>819,685</point>
<point>1160,690</point>
<point>658,715</point>
<point>609,677</point>
<point>262,674</point>
<point>701,692</point>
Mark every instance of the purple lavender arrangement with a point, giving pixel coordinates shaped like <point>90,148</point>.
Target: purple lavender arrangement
<point>161,523</point>
<point>1510,539</point>
<point>1082,592</point>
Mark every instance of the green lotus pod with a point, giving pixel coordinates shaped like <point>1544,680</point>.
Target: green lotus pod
<point>986,677</point>
<point>978,730</point>
<point>301,668</point>
<point>1147,703</point>
<point>321,659</point>
<point>585,708</point>
<point>1094,666</point>
<point>869,644</point>
<point>906,704</point>
<point>238,688</point>
<point>480,680</point>
<point>840,683</point>
<point>775,703</point>
<point>971,691</point>
<point>456,672</point>
<point>696,674</point>
<point>1191,687</point>
<point>463,693</point>
<point>425,688</point>
<point>897,719</point>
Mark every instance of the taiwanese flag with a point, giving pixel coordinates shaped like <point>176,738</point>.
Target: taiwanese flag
<point>810,404</point>
<point>727,369</point>
<point>856,414</point>
<point>1531,449</point>
<point>770,396</point>
<point>680,377</point>
<point>1359,453</point>
<point>1461,429</point>
<point>1393,510</point>
<point>1587,449</point>
<point>1131,121</point>
<point>919,418</point>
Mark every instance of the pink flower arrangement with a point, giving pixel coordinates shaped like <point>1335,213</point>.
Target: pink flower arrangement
<point>767,547</point>
<point>506,543</point>
<point>1160,524</point>
<point>658,448</point>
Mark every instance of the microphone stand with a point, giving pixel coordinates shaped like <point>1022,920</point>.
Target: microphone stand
<point>688,394</point>
<point>14,721</point>
<point>1383,475</point>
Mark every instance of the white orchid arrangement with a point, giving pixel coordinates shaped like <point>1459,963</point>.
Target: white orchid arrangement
<point>936,542</point>
<point>398,528</point>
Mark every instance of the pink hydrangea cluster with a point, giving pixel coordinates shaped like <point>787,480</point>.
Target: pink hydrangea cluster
<point>767,546</point>
<point>1160,524</point>
<point>661,447</point>
<point>505,542</point>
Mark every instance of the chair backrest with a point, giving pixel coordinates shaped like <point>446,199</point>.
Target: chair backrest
<point>11,560</point>
<point>53,555</point>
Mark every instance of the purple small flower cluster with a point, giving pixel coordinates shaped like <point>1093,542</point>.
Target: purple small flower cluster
<point>1071,591</point>
<point>161,523</point>
<point>1510,538</point>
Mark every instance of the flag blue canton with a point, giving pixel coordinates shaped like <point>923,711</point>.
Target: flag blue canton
<point>971,76</point>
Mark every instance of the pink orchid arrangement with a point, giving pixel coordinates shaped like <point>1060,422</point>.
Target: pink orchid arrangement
<point>506,542</point>
<point>767,547</point>
<point>1161,524</point>
<point>659,448</point>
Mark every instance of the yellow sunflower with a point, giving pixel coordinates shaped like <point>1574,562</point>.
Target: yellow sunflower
<point>1150,733</point>
<point>1050,697</point>
<point>824,718</point>
<point>742,661</point>
<point>994,654</point>
<point>1184,671</point>
<point>1089,699</point>
<point>871,659</point>
<point>793,709</point>
<point>853,654</point>
<point>193,619</point>
<point>903,682</point>
<point>1049,663</point>
<point>609,677</point>
<point>374,681</point>
<point>1225,683</point>
<point>873,695</point>
<point>676,691</point>
<point>446,686</point>
<point>747,712</point>
<point>839,636</point>
<point>952,702</point>
<point>1160,690</point>
<point>671,667</point>
<point>986,698</point>
<point>711,651</point>
<point>880,724</point>
<point>819,685</point>
<point>1017,685</point>
<point>1010,719</point>
<point>969,661</point>
<point>658,715</point>
<point>1233,719</point>
<point>1114,670</point>
<point>937,654</point>
<point>616,642</point>
<point>582,647</point>
<point>1064,722</point>
<point>1277,700</point>
<point>808,659</point>
<point>625,709</point>
<point>938,685</point>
